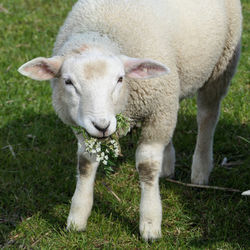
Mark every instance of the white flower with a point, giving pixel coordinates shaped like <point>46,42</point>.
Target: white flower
<point>108,149</point>
<point>116,153</point>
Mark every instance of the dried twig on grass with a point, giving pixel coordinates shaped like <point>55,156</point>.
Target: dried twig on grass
<point>34,243</point>
<point>110,190</point>
<point>2,9</point>
<point>229,164</point>
<point>203,186</point>
<point>243,139</point>
<point>11,150</point>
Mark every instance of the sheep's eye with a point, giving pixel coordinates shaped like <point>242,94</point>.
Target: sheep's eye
<point>120,79</point>
<point>68,82</point>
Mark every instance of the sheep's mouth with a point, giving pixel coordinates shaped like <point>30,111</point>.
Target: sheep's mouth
<point>103,138</point>
<point>100,135</point>
<point>121,129</point>
<point>81,130</point>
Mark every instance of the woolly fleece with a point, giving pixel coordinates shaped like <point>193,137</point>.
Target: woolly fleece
<point>195,39</point>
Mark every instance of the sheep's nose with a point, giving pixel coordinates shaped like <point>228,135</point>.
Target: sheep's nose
<point>101,127</point>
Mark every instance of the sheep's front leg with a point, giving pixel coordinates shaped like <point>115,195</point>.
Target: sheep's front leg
<point>82,200</point>
<point>148,163</point>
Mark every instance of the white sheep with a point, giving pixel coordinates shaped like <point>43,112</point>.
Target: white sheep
<point>97,71</point>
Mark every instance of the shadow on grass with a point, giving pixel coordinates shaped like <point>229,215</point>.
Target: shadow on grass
<point>38,159</point>
<point>222,217</point>
<point>208,218</point>
<point>37,167</point>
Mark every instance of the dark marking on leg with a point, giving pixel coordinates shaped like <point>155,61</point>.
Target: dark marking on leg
<point>147,172</point>
<point>84,166</point>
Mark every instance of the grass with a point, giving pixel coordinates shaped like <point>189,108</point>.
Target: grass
<point>38,158</point>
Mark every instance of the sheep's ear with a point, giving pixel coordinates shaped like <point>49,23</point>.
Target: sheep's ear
<point>143,68</point>
<point>42,68</point>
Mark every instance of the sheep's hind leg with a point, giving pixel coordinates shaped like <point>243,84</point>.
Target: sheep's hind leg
<point>208,101</point>
<point>168,164</point>
<point>82,200</point>
<point>207,116</point>
<point>148,163</point>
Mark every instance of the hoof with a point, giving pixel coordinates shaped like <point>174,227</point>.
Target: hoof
<point>150,231</point>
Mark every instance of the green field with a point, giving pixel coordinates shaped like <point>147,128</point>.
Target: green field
<point>38,158</point>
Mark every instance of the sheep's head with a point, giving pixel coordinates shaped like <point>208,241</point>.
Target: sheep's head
<point>89,89</point>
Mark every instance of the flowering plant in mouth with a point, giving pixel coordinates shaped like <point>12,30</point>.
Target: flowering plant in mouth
<point>106,150</point>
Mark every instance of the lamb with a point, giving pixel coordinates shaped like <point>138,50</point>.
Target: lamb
<point>140,58</point>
